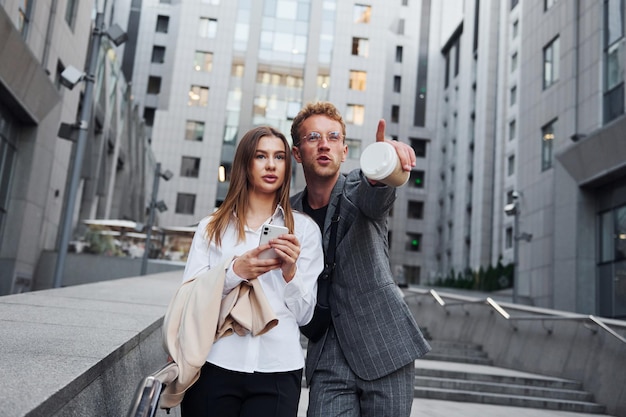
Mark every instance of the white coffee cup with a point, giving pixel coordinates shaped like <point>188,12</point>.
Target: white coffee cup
<point>380,162</point>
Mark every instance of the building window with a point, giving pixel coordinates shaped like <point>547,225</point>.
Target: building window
<point>207,27</point>
<point>362,13</point>
<point>412,274</point>
<point>413,242</point>
<point>514,62</point>
<point>203,61</point>
<point>194,130</point>
<point>547,4</point>
<point>397,83</point>
<point>416,179</point>
<point>400,26</point>
<point>198,96</point>
<point>355,114</point>
<point>24,17</point>
<point>512,129</point>
<point>551,63</point>
<point>514,3</point>
<point>515,29</point>
<point>148,115</point>
<point>360,47</point>
<point>237,70</point>
<point>513,96</point>
<point>508,238</point>
<point>547,143</point>
<point>185,203</point>
<point>395,113</point>
<point>613,101</point>
<point>158,54</point>
<point>358,80</point>
<point>323,81</point>
<point>511,165</point>
<point>457,57</point>
<point>613,235</point>
<point>154,85</point>
<point>446,73</point>
<point>162,24</point>
<point>70,12</point>
<point>190,167</point>
<point>8,153</point>
<point>415,210</point>
<point>354,148</point>
<point>399,53</point>
<point>419,146</point>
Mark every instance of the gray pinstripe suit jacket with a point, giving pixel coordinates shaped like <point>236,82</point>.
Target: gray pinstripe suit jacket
<point>376,331</point>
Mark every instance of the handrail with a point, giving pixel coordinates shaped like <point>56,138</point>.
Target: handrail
<point>146,400</point>
<point>502,312</point>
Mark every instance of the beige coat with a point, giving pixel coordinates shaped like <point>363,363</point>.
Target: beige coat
<point>197,316</point>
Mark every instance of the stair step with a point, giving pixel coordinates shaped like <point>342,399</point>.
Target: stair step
<point>508,400</point>
<point>457,358</point>
<point>453,344</point>
<point>487,374</point>
<point>529,390</point>
<point>458,352</point>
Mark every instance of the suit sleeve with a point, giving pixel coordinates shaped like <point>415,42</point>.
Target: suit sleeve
<point>374,201</point>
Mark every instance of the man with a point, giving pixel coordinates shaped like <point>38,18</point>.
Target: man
<point>364,365</point>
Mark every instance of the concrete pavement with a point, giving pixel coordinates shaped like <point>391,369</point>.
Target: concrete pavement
<point>439,408</point>
<point>423,407</point>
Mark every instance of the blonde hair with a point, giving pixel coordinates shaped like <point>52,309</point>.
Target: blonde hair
<point>237,199</point>
<point>324,108</point>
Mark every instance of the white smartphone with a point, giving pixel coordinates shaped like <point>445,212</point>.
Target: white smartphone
<point>268,232</point>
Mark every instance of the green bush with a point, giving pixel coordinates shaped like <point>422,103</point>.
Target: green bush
<point>493,278</point>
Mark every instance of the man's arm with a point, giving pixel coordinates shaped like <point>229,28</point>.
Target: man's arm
<point>404,151</point>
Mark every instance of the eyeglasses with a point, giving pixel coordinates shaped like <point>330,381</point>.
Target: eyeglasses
<point>314,137</point>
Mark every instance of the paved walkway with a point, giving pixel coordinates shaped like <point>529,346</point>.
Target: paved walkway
<point>439,408</point>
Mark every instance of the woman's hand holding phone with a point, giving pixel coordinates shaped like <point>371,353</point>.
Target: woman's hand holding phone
<point>277,249</point>
<point>283,246</point>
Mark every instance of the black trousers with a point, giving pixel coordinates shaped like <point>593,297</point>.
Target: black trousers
<point>223,393</point>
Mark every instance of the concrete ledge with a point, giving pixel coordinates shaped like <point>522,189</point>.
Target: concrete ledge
<point>81,350</point>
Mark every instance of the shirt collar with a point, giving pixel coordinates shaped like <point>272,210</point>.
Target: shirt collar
<point>278,213</point>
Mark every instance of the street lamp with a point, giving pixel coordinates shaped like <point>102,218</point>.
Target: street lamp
<point>69,78</point>
<point>512,209</point>
<point>159,205</point>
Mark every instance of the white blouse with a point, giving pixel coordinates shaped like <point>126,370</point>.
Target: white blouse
<point>279,349</point>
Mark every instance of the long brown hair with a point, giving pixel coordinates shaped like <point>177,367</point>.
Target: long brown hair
<point>234,206</point>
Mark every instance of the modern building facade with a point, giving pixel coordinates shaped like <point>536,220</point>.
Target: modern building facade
<point>530,136</point>
<point>38,41</point>
<point>515,111</point>
<point>206,71</point>
<point>502,101</point>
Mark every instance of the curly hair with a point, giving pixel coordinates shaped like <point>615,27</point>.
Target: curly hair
<point>324,108</point>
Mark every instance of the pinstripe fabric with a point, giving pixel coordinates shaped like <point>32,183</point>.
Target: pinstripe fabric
<point>336,391</point>
<point>376,333</point>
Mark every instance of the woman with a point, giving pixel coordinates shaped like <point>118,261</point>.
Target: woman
<point>257,375</point>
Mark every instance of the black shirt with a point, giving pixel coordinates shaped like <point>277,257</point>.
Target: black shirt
<point>319,215</point>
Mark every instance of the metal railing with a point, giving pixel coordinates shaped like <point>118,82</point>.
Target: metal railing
<point>146,400</point>
<point>584,319</point>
